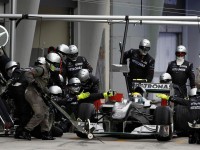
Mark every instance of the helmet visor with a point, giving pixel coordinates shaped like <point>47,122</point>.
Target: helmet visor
<point>144,48</point>
<point>180,54</point>
<point>54,67</point>
<point>72,56</point>
<point>75,88</point>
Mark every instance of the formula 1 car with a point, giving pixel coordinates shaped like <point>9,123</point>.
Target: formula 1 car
<point>134,116</point>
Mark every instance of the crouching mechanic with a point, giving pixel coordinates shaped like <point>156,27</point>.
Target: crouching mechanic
<point>74,97</point>
<point>89,82</point>
<point>193,104</point>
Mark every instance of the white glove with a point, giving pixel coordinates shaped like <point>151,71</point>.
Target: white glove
<point>193,92</point>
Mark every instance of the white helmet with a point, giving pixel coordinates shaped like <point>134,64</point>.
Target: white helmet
<point>165,78</point>
<point>72,53</point>
<point>10,67</point>
<point>83,75</point>
<point>55,90</point>
<point>62,49</point>
<point>144,46</point>
<point>181,48</point>
<point>40,61</point>
<point>74,85</point>
<point>53,61</point>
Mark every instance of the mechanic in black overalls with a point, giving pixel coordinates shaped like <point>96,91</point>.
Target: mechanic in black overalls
<point>180,71</point>
<point>4,59</point>
<point>193,105</point>
<point>73,96</point>
<point>89,82</point>
<point>74,63</point>
<point>141,64</point>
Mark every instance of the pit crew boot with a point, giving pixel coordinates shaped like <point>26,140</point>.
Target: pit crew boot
<point>47,136</point>
<point>191,139</point>
<point>198,139</point>
<point>26,134</point>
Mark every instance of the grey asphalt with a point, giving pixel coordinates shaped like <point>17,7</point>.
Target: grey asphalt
<point>69,141</point>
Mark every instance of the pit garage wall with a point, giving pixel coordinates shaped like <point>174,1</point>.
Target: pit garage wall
<point>25,32</point>
<point>93,40</point>
<point>135,34</point>
<point>193,34</point>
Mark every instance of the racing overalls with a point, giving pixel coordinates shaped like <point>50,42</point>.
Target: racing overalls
<point>91,85</point>
<point>38,78</point>
<point>180,74</point>
<point>193,105</point>
<point>72,67</point>
<point>141,66</point>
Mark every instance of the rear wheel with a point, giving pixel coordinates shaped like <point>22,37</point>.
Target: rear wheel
<point>164,121</point>
<point>181,120</point>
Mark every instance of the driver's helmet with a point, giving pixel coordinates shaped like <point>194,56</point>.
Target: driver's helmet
<point>144,46</point>
<point>72,53</point>
<point>84,75</point>
<point>53,61</point>
<point>74,85</point>
<point>181,51</point>
<point>62,49</point>
<point>10,67</point>
<point>165,78</point>
<point>55,90</point>
<point>137,97</point>
<point>140,90</point>
<point>40,61</point>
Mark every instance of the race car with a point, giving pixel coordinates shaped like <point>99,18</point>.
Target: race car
<point>134,116</point>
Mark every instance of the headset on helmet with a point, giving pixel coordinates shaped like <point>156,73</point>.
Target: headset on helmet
<point>73,52</point>
<point>10,67</point>
<point>165,78</point>
<point>62,49</point>
<point>40,61</point>
<point>144,46</point>
<point>74,85</point>
<point>83,75</point>
<point>54,61</point>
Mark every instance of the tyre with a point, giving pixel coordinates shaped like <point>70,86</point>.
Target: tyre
<point>86,111</point>
<point>56,131</point>
<point>181,116</point>
<point>164,121</point>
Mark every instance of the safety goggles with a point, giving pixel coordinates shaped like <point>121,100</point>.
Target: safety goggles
<point>180,54</point>
<point>72,56</point>
<point>55,67</point>
<point>144,48</point>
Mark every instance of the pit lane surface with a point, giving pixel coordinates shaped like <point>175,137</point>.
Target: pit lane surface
<point>70,141</point>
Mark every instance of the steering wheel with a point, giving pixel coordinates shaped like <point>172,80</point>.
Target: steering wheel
<point>4,36</point>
